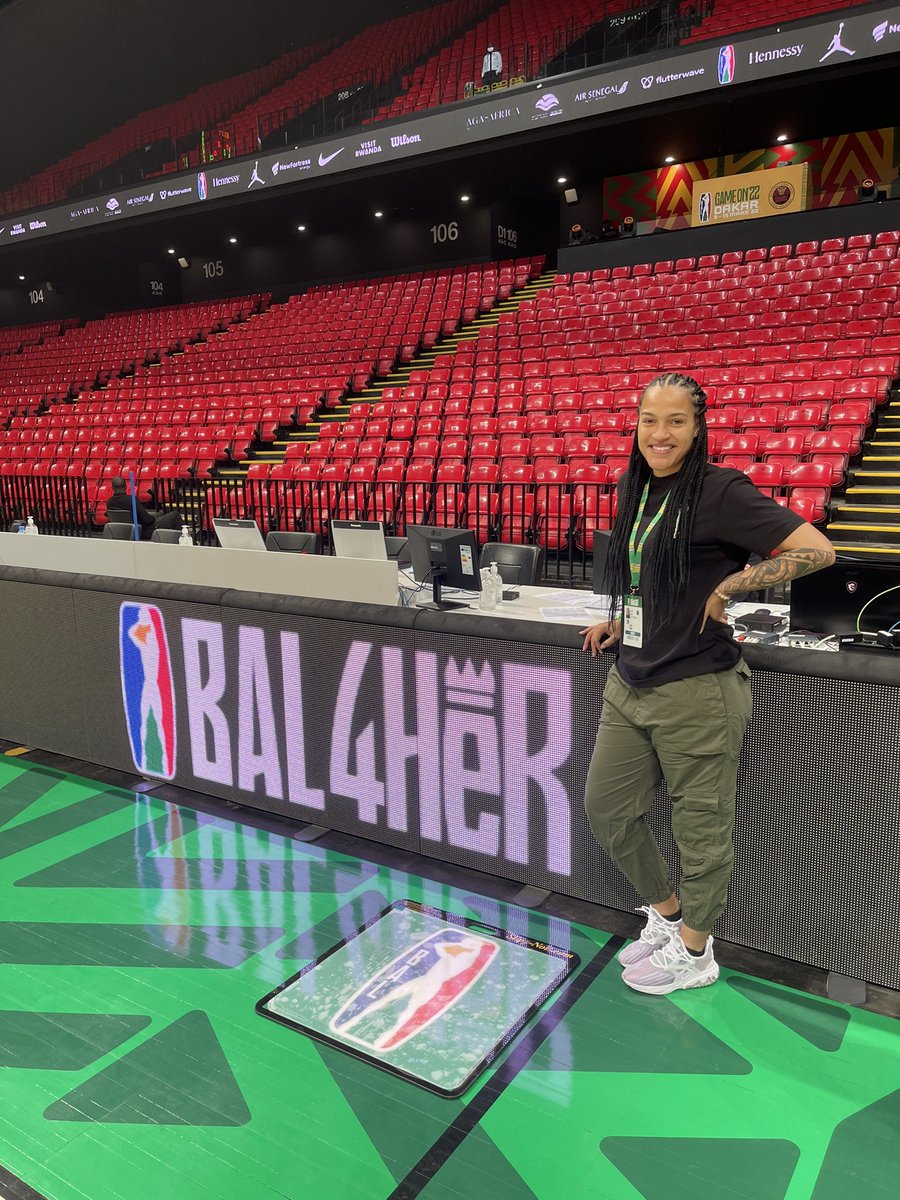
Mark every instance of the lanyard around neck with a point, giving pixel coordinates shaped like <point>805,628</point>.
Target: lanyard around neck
<point>635,547</point>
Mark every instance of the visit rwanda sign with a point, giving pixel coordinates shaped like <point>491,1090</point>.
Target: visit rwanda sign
<point>753,194</point>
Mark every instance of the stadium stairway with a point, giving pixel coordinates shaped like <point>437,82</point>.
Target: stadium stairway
<point>274,452</point>
<point>866,523</point>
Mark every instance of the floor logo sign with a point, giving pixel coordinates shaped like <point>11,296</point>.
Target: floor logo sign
<point>426,994</point>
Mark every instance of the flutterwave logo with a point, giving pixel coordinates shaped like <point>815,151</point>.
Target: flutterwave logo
<point>726,64</point>
<point>546,102</point>
<point>646,81</point>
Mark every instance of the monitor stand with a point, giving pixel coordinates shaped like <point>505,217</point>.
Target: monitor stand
<point>436,602</point>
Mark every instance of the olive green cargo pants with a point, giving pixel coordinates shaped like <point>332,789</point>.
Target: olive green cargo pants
<point>688,732</point>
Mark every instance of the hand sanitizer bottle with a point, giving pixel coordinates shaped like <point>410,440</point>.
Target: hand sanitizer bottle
<point>185,539</point>
<point>496,585</point>
<point>31,528</point>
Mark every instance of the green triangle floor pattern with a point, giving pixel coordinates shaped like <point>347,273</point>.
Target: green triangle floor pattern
<point>124,1079</point>
<point>179,1076</point>
<point>685,1168</point>
<point>863,1157</point>
<point>640,1035</point>
<point>21,793</point>
<point>821,1024</point>
<point>65,1041</point>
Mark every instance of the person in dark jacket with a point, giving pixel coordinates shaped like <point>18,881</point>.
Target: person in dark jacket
<point>119,509</point>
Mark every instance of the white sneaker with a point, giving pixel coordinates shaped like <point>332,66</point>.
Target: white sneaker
<point>654,935</point>
<point>671,968</point>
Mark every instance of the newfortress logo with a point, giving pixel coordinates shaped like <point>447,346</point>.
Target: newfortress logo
<point>296,164</point>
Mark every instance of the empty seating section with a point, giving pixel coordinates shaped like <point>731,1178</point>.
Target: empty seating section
<point>523,432</point>
<point>101,433</point>
<point>215,398</point>
<point>14,339</point>
<point>519,433</point>
<point>734,16</point>
<point>204,109</point>
<point>520,28</point>
<point>374,55</point>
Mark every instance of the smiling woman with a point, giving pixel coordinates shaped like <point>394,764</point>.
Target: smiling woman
<point>678,701</point>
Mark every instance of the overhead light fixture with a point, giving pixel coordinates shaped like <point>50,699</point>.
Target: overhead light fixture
<point>782,137</point>
<point>379,213</point>
<point>22,277</point>
<point>170,250</point>
<point>184,263</point>
<point>562,179</point>
<point>670,158</point>
<point>465,199</point>
<point>233,241</point>
<point>301,228</point>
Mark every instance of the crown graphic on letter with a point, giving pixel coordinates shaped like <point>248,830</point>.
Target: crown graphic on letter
<point>469,679</point>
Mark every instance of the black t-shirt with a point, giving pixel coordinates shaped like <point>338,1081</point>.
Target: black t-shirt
<point>733,521</point>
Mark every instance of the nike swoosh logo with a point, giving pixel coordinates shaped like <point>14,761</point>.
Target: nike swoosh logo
<point>324,159</point>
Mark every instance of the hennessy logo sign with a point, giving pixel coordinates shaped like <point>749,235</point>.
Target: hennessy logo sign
<point>465,753</point>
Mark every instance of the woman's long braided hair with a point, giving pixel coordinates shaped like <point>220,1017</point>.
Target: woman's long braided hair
<point>672,550</point>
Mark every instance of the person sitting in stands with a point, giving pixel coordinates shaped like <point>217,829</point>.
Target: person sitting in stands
<point>608,231</point>
<point>119,509</point>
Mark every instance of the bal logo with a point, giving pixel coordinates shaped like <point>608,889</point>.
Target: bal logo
<point>705,210</point>
<point>147,689</point>
<point>726,64</point>
<point>426,980</point>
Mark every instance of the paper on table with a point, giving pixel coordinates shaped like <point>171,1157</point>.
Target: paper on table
<point>569,616</point>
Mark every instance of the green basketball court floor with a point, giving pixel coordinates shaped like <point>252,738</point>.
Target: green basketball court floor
<point>136,936</point>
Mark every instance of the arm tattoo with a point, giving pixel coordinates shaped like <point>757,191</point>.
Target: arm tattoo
<point>790,564</point>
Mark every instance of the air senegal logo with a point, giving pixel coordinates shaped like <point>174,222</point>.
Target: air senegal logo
<point>147,690</point>
<point>423,983</point>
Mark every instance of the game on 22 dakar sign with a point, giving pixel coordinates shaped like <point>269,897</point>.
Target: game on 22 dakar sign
<point>766,193</point>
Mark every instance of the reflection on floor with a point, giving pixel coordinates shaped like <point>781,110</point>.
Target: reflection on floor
<point>136,937</point>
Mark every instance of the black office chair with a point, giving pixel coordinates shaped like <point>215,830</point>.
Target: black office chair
<point>118,531</point>
<point>290,541</point>
<point>398,550</point>
<point>166,535</point>
<point>516,564</point>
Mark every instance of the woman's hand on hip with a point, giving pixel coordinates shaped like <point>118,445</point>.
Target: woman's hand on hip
<point>715,608</point>
<point>601,636</point>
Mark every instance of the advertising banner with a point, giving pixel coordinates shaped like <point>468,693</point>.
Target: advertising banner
<point>751,194</point>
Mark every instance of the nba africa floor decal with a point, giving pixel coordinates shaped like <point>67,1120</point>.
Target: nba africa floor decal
<point>428,995</point>
<point>137,936</point>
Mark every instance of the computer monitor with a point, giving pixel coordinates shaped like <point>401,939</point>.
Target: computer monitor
<point>849,593</point>
<point>238,535</point>
<point>444,557</point>
<point>359,539</point>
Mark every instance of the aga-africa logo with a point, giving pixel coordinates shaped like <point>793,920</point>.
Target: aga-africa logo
<point>147,690</point>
